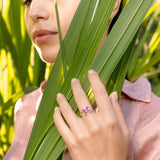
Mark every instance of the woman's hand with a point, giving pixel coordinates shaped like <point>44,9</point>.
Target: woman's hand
<point>97,135</point>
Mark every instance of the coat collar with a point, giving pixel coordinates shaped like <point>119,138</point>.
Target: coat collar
<point>139,90</point>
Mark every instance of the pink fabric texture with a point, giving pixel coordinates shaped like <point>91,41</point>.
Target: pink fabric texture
<point>141,110</point>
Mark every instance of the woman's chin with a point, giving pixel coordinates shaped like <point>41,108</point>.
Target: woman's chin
<point>48,58</point>
<point>48,55</point>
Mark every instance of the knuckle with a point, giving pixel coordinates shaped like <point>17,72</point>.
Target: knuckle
<point>101,90</point>
<point>81,138</point>
<point>111,125</point>
<point>73,144</point>
<point>95,130</point>
<point>64,109</point>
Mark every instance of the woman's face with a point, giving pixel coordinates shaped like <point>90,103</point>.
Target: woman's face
<point>40,18</point>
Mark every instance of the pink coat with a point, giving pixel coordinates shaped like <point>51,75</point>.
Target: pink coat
<point>141,110</point>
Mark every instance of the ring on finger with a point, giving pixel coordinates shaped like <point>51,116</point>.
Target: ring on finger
<point>86,111</point>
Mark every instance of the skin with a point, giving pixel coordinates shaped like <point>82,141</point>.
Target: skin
<point>97,136</point>
<point>40,14</point>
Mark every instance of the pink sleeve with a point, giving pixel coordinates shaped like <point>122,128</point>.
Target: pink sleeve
<point>141,110</point>
<point>143,122</point>
<point>146,142</point>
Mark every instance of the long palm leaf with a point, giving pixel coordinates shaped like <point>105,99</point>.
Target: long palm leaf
<point>45,142</point>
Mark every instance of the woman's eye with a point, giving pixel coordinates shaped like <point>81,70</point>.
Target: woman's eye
<point>27,2</point>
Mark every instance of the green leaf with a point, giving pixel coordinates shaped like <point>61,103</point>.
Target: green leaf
<point>7,37</point>
<point>44,131</point>
<point>139,49</point>
<point>15,97</point>
<point>116,80</point>
<point>62,47</point>
<point>38,70</point>
<point>149,59</point>
<point>56,76</point>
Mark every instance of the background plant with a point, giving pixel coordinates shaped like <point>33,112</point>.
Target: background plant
<point>146,54</point>
<point>18,75</point>
<point>21,69</point>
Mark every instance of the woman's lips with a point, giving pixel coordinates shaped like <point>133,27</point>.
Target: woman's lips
<point>42,36</point>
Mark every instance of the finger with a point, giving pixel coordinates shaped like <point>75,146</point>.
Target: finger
<point>91,121</point>
<point>118,112</point>
<point>101,96</point>
<point>80,97</point>
<point>66,110</point>
<point>61,126</point>
<point>75,123</point>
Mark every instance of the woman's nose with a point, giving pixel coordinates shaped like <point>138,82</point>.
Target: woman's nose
<point>38,10</point>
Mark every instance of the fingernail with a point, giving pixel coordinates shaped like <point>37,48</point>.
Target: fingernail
<point>74,80</point>
<point>91,71</point>
<point>56,108</point>
<point>59,95</point>
<point>115,95</point>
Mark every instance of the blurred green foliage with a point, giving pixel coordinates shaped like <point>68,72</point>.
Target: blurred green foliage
<point>146,54</point>
<point>21,67</point>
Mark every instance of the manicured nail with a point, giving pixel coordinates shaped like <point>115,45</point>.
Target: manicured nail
<point>56,108</point>
<point>115,95</point>
<point>91,71</point>
<point>59,95</point>
<point>74,80</point>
